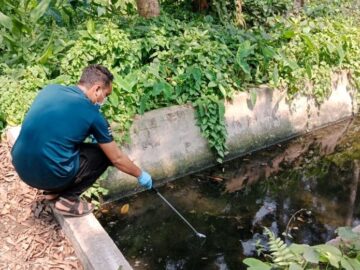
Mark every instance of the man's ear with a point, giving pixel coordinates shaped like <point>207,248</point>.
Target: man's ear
<point>93,88</point>
<point>96,88</point>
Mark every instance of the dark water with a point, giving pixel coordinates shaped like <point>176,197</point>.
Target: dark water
<point>316,175</point>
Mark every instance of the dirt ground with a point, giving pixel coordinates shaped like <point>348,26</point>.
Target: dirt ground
<point>30,237</point>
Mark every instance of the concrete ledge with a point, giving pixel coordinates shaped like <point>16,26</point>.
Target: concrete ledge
<point>168,143</point>
<point>93,246</point>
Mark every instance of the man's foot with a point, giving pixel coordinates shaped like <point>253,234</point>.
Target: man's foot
<point>72,207</point>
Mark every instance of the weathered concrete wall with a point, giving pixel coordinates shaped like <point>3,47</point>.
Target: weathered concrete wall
<point>168,144</point>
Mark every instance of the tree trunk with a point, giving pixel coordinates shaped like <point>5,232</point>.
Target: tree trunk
<point>239,17</point>
<point>199,5</point>
<point>148,8</point>
<point>298,5</point>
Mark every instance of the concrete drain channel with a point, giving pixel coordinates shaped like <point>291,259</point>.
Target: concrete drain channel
<point>94,247</point>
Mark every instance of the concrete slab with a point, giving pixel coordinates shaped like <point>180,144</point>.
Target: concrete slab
<point>93,246</point>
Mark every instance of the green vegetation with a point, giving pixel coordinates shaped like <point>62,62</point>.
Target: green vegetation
<point>187,57</point>
<point>299,257</point>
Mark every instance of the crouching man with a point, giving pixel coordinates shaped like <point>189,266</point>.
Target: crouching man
<point>50,153</point>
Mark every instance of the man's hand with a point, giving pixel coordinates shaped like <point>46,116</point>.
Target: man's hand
<point>145,180</point>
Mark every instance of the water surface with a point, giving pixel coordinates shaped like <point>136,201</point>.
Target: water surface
<point>315,176</point>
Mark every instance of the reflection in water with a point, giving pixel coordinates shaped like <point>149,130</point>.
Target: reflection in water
<point>353,192</point>
<point>269,163</point>
<point>268,207</point>
<point>231,203</point>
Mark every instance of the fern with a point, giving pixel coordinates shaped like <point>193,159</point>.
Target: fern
<point>280,252</point>
<point>305,257</point>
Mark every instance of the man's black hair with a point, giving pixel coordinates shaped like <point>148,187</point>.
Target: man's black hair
<point>96,73</point>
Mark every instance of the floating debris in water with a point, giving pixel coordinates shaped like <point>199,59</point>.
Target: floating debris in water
<point>124,209</point>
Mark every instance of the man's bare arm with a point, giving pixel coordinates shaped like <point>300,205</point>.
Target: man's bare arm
<point>120,160</point>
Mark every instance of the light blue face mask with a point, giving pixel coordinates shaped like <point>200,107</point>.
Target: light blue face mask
<point>100,104</point>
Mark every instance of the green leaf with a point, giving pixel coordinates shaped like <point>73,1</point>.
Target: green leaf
<point>308,70</point>
<point>101,11</point>
<point>276,75</point>
<point>253,96</point>
<point>10,40</point>
<point>47,52</point>
<point>90,26</point>
<point>201,111</point>
<point>298,248</point>
<point>311,255</point>
<point>245,67</point>
<point>309,43</point>
<point>6,21</point>
<point>143,102</point>
<point>222,90</point>
<point>292,64</point>
<point>114,99</point>
<point>295,266</point>
<point>220,160</point>
<point>45,56</point>
<point>221,107</point>
<point>244,50</point>
<point>154,69</point>
<point>346,264</point>
<point>268,52</point>
<point>347,233</point>
<point>18,26</point>
<point>168,90</point>
<point>196,72</point>
<point>328,248</point>
<point>354,263</point>
<point>341,53</point>
<point>212,84</point>
<point>255,264</point>
<point>331,253</point>
<point>333,260</point>
<point>39,10</point>
<point>157,88</point>
<point>288,33</point>
<point>126,83</point>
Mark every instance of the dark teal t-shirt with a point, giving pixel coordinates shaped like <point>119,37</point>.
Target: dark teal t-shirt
<point>46,153</point>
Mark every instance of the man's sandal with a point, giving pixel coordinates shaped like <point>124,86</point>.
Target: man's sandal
<point>74,208</point>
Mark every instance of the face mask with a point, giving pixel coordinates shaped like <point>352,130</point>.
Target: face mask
<point>100,104</point>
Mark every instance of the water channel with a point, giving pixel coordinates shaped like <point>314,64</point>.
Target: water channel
<point>317,173</point>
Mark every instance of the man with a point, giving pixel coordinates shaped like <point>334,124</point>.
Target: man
<point>50,153</point>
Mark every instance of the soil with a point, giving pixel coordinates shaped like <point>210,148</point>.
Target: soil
<point>30,237</point>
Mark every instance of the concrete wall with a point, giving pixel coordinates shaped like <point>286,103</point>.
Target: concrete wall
<point>168,144</point>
